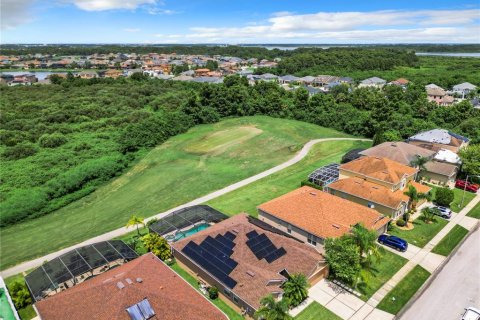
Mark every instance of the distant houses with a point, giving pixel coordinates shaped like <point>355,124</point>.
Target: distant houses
<point>373,82</point>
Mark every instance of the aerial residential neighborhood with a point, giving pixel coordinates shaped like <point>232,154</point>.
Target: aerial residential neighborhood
<point>257,160</point>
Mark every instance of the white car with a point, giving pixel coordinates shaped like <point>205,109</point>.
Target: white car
<point>471,314</point>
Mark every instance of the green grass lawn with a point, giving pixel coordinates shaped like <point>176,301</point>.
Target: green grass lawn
<point>475,212</point>
<point>232,314</point>
<point>187,166</point>
<point>246,199</point>
<point>456,204</point>
<point>404,290</point>
<point>380,272</point>
<point>422,232</point>
<point>315,311</point>
<point>450,241</point>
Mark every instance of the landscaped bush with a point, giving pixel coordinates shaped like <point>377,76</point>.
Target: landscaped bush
<point>310,184</point>
<point>20,294</point>
<point>213,293</point>
<point>444,196</point>
<point>401,223</point>
<point>52,140</point>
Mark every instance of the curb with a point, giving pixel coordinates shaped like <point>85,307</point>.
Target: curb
<point>435,273</point>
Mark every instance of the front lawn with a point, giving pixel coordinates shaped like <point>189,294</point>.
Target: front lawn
<point>232,314</point>
<point>450,241</point>
<point>456,204</point>
<point>379,273</point>
<point>315,311</point>
<point>394,301</point>
<point>475,212</point>
<point>422,232</point>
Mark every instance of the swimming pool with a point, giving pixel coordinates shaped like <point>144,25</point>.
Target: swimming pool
<point>186,233</point>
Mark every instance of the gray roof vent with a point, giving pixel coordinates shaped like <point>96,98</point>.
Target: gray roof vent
<point>120,285</point>
<point>139,280</point>
<point>129,281</point>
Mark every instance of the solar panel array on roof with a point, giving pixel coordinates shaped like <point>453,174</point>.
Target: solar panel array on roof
<point>75,263</point>
<point>213,255</point>
<point>263,248</point>
<point>325,175</point>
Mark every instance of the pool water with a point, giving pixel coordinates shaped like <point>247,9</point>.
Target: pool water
<point>189,232</point>
<point>6,311</point>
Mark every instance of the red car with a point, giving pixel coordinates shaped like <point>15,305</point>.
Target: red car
<point>462,184</point>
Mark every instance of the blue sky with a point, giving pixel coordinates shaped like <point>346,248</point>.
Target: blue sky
<point>242,21</point>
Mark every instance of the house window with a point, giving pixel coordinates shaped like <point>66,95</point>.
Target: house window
<point>312,239</point>
<point>227,292</point>
<point>289,229</point>
<point>235,299</point>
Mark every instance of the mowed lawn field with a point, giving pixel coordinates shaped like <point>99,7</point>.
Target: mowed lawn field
<point>190,165</point>
<point>246,199</point>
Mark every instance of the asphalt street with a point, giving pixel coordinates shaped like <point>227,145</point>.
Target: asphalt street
<point>456,287</point>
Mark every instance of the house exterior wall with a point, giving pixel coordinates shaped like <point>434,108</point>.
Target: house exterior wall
<point>295,232</point>
<point>439,177</point>
<point>386,211</point>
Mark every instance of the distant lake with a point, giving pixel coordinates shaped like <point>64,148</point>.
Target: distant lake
<point>41,75</point>
<point>450,54</point>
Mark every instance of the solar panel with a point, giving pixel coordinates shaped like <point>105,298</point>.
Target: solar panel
<point>262,247</point>
<point>213,255</point>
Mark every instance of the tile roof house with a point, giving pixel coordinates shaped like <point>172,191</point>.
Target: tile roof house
<point>437,139</point>
<point>401,152</point>
<point>121,293</point>
<point>377,183</point>
<point>247,275</point>
<point>374,82</point>
<point>287,79</point>
<point>312,216</point>
<point>464,89</point>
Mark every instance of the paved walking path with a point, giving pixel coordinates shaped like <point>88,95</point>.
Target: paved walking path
<point>121,231</point>
<point>348,306</point>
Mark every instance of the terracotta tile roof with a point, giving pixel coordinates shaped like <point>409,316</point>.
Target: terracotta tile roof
<point>370,191</point>
<point>436,92</point>
<point>99,298</point>
<point>299,258</point>
<point>421,188</point>
<point>401,152</point>
<point>321,213</point>
<point>379,168</point>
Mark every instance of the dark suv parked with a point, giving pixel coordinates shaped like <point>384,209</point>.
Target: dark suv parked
<point>394,242</point>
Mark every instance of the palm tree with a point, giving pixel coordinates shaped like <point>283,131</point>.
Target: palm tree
<point>419,162</point>
<point>429,214</point>
<point>414,196</point>
<point>270,309</point>
<point>365,240</point>
<point>295,289</point>
<point>135,221</point>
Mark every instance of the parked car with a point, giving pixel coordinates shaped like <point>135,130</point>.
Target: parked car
<point>468,186</point>
<point>393,242</point>
<point>443,212</point>
<point>471,314</point>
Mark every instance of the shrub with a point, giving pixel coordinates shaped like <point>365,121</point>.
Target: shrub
<point>401,223</point>
<point>52,140</point>
<point>20,294</point>
<point>19,151</point>
<point>20,204</point>
<point>444,196</point>
<point>310,184</point>
<point>213,293</point>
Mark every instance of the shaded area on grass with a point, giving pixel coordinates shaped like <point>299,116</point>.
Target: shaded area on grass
<point>316,311</point>
<point>379,273</point>
<point>422,232</point>
<point>450,241</point>
<point>232,314</point>
<point>475,212</point>
<point>394,301</point>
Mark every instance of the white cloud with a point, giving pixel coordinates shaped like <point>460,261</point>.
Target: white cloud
<point>131,29</point>
<point>100,5</point>
<point>156,10</point>
<point>15,12</point>
<point>361,27</point>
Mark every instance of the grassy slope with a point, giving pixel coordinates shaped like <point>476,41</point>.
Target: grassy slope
<point>246,199</point>
<point>404,290</point>
<point>475,212</point>
<point>185,167</point>
<point>422,232</point>
<point>315,311</point>
<point>450,241</point>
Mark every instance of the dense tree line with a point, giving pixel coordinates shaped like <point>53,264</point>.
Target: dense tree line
<point>60,142</point>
